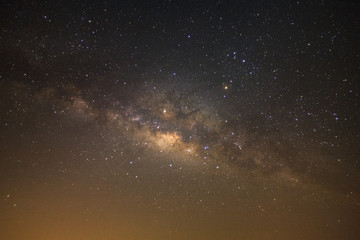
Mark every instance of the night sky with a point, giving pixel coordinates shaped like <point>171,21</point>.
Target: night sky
<point>179,120</point>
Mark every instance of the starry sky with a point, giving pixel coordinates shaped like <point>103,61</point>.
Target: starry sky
<point>179,120</point>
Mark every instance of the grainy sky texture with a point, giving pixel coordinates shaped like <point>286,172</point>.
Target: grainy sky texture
<point>179,120</point>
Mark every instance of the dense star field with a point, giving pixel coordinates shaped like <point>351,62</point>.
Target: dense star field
<point>179,120</point>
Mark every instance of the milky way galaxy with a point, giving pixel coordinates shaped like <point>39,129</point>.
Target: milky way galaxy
<point>179,120</point>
